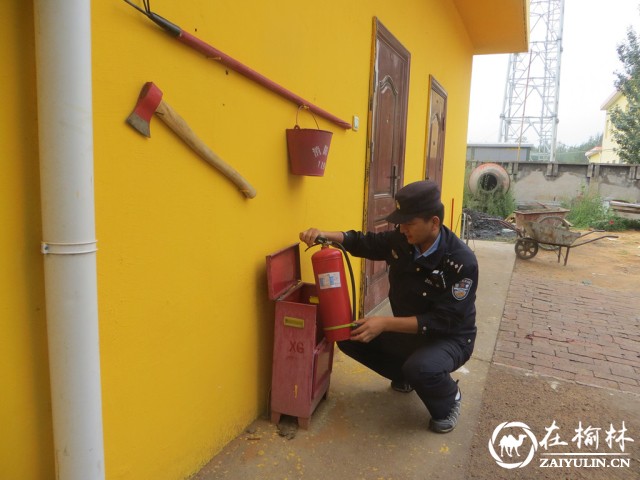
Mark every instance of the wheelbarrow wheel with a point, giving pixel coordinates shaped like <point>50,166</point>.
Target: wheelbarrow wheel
<point>526,248</point>
<point>554,222</point>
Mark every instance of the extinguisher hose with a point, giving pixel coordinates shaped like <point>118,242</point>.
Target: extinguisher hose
<point>326,241</point>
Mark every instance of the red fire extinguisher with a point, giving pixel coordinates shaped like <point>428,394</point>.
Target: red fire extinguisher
<point>336,316</point>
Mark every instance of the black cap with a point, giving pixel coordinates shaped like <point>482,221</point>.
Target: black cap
<point>416,200</point>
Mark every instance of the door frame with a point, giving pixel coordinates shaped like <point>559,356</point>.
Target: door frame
<point>435,86</point>
<point>379,32</point>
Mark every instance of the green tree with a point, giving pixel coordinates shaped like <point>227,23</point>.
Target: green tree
<point>575,153</point>
<point>627,121</point>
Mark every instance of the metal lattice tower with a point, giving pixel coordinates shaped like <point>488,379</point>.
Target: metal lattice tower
<point>530,108</point>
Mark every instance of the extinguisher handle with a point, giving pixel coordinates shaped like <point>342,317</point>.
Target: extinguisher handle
<point>322,240</point>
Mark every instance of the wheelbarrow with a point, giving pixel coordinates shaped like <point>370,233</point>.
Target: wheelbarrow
<point>555,235</point>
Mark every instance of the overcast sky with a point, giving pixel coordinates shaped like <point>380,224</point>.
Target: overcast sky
<point>592,31</point>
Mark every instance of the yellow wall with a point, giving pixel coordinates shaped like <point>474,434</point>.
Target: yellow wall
<point>185,322</point>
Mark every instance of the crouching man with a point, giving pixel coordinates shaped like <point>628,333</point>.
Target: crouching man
<point>433,278</point>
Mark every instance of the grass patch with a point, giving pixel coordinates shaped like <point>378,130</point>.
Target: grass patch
<point>589,211</point>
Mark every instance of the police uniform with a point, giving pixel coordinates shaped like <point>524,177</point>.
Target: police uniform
<point>440,290</point>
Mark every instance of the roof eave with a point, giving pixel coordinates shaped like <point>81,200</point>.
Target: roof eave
<point>496,26</point>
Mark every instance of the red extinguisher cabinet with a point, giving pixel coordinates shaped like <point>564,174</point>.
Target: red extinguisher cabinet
<point>302,356</point>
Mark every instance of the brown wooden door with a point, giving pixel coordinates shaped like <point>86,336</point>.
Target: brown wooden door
<point>388,114</point>
<point>436,130</point>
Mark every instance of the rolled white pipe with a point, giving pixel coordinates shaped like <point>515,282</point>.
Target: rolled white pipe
<point>63,63</point>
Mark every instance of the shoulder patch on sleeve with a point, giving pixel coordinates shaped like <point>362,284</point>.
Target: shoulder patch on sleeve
<point>461,289</point>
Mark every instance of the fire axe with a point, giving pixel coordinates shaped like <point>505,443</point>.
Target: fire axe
<point>149,102</point>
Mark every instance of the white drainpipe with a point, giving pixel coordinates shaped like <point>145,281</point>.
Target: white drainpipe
<point>63,63</point>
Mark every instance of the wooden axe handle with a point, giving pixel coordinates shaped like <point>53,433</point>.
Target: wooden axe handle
<point>180,127</point>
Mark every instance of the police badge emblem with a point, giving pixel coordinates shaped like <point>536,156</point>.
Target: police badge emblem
<point>461,289</point>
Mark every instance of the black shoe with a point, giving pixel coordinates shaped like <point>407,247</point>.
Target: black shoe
<point>401,386</point>
<point>447,424</point>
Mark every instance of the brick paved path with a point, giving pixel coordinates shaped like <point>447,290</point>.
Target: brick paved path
<point>587,334</point>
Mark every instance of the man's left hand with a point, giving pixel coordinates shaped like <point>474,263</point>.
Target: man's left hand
<point>368,329</point>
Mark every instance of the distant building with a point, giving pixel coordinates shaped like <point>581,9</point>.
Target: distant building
<point>498,152</point>
<point>594,155</point>
<point>607,152</point>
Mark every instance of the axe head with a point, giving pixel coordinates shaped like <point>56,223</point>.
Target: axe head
<point>148,100</point>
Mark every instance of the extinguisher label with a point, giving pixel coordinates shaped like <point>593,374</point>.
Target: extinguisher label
<point>329,280</point>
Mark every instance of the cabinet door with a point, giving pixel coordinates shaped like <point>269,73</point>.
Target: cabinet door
<point>322,362</point>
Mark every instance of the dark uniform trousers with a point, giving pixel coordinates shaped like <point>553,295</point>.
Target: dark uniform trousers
<point>426,363</point>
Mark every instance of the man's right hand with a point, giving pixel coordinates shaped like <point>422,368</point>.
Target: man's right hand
<point>310,235</point>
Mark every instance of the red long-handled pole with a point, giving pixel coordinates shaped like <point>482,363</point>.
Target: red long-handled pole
<point>215,54</point>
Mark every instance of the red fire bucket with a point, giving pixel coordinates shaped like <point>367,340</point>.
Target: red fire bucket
<point>308,149</point>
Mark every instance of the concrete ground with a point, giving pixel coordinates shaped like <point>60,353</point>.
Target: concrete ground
<point>365,430</point>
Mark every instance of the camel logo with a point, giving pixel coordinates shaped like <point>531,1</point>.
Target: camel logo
<point>512,444</point>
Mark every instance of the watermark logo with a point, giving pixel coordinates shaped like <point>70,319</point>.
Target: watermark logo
<point>511,444</point>
<point>514,445</point>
